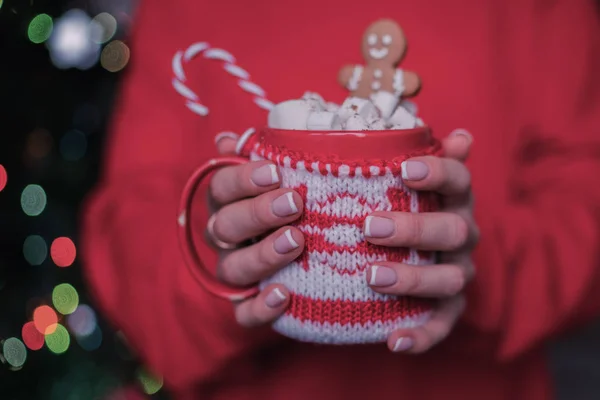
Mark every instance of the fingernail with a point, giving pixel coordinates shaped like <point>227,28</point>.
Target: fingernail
<point>382,276</point>
<point>378,227</point>
<point>265,175</point>
<point>285,243</point>
<point>224,135</point>
<point>275,298</point>
<point>284,206</point>
<point>403,344</point>
<point>464,133</point>
<point>414,170</point>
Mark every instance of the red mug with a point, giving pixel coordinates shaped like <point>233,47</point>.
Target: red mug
<point>342,177</point>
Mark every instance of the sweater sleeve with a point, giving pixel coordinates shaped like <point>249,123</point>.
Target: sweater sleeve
<point>130,247</point>
<point>539,270</point>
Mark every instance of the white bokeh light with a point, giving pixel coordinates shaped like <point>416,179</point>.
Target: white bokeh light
<point>71,43</point>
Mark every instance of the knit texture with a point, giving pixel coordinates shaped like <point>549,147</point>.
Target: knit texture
<point>330,299</point>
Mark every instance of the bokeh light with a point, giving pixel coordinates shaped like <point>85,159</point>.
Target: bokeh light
<point>63,251</point>
<point>108,25</point>
<point>65,298</point>
<point>39,143</point>
<point>71,42</point>
<point>33,339</point>
<point>3,178</point>
<point>150,384</point>
<point>115,56</point>
<point>33,200</point>
<point>73,145</point>
<point>82,321</point>
<point>40,28</point>
<point>35,250</point>
<point>90,342</point>
<point>14,352</point>
<point>58,341</point>
<point>45,320</point>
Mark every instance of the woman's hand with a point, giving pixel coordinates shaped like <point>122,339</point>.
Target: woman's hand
<point>247,202</point>
<point>451,231</point>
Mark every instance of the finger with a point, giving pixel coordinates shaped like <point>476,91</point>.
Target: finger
<point>250,264</point>
<point>436,231</point>
<point>423,338</point>
<point>248,218</point>
<point>270,303</point>
<point>241,181</point>
<point>435,281</point>
<point>458,144</point>
<point>443,175</point>
<point>225,142</point>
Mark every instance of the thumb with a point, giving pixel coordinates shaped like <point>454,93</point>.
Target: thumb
<point>458,144</point>
<point>225,142</point>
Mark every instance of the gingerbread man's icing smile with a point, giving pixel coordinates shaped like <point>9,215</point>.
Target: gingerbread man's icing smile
<point>373,40</point>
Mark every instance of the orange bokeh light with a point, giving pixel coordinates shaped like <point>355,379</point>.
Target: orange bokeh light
<point>32,338</point>
<point>63,251</point>
<point>45,320</point>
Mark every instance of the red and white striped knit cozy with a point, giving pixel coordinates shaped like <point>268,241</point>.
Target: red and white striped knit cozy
<point>330,299</point>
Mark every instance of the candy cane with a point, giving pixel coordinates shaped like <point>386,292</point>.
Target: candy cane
<point>183,57</point>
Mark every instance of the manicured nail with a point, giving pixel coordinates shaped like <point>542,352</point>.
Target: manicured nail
<point>378,227</point>
<point>464,133</point>
<point>265,175</point>
<point>414,170</point>
<point>382,276</point>
<point>275,298</point>
<point>284,206</point>
<point>285,243</point>
<point>403,344</point>
<point>224,135</point>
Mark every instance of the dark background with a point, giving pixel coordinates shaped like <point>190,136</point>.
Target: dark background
<point>52,129</point>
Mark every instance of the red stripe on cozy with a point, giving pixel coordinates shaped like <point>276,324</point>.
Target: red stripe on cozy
<point>318,243</point>
<point>347,312</point>
<point>277,155</point>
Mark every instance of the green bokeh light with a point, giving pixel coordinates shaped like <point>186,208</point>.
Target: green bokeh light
<point>40,28</point>
<point>33,200</point>
<point>58,342</point>
<point>65,298</point>
<point>35,249</point>
<point>150,383</point>
<point>14,352</point>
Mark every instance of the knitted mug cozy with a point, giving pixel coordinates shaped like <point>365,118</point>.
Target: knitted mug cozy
<point>331,301</point>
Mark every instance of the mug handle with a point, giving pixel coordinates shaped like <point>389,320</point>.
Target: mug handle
<point>190,254</point>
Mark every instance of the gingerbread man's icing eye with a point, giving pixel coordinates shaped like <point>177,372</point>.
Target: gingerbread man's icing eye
<point>386,40</point>
<point>372,39</point>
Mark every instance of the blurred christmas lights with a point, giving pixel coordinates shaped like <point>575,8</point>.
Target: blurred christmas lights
<point>71,42</point>
<point>40,28</point>
<point>73,145</point>
<point>3,178</point>
<point>35,250</point>
<point>63,252</point>
<point>115,56</point>
<point>65,298</point>
<point>151,384</point>
<point>58,341</point>
<point>33,200</point>
<point>14,352</point>
<point>32,338</point>
<point>39,143</point>
<point>45,319</point>
<point>108,23</point>
<point>82,322</point>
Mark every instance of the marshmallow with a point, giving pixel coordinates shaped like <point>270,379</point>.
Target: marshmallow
<point>386,102</point>
<point>323,121</point>
<point>332,107</point>
<point>356,123</point>
<point>409,106</point>
<point>315,100</point>
<point>403,118</point>
<point>377,125</point>
<point>291,114</point>
<point>356,105</point>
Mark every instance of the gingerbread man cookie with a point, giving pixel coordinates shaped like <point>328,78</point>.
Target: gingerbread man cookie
<point>383,47</point>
